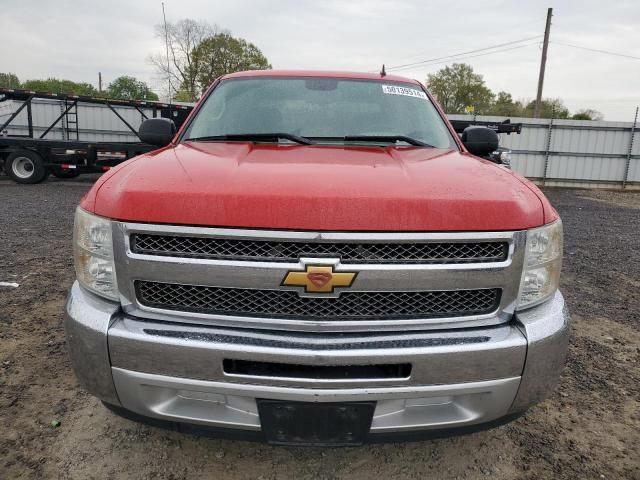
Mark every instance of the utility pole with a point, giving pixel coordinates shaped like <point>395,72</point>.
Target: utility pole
<point>100,81</point>
<point>543,62</point>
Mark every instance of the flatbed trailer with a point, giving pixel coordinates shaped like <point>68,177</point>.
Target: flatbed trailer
<point>499,127</point>
<point>30,158</point>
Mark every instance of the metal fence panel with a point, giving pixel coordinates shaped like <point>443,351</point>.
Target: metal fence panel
<point>586,168</point>
<point>573,152</point>
<point>582,140</point>
<point>531,166</point>
<point>634,172</point>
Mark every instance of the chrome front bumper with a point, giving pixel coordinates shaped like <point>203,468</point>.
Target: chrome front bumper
<point>175,372</point>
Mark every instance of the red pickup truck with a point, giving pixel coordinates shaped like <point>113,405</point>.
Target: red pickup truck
<point>317,258</point>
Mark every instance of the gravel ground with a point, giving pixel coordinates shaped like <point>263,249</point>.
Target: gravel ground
<point>589,429</point>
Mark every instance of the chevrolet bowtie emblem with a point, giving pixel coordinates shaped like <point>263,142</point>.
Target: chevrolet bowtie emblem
<point>318,279</point>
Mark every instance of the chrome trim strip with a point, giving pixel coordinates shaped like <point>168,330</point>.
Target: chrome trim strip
<point>287,235</point>
<point>268,275</point>
<point>309,394</point>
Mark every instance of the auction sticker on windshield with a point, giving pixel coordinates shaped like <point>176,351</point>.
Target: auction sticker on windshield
<point>409,92</point>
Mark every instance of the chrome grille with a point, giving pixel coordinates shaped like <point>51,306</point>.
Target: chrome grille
<point>287,251</point>
<point>289,304</point>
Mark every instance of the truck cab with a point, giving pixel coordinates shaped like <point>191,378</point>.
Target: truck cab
<point>317,258</point>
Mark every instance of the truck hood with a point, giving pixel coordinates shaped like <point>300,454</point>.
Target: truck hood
<point>317,188</point>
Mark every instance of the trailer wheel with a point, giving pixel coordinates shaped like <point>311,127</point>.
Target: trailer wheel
<point>25,166</point>
<point>68,173</point>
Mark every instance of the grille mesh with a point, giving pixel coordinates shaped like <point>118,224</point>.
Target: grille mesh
<point>289,304</point>
<point>278,251</point>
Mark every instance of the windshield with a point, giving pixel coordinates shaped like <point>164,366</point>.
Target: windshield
<point>324,110</point>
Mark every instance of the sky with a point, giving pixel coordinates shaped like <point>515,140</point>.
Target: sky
<point>76,39</point>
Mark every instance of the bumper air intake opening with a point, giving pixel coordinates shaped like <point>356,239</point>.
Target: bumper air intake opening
<point>316,372</point>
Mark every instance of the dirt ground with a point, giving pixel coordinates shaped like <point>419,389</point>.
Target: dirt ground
<point>589,429</point>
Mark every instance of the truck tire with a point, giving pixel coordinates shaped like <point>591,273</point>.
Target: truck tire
<point>69,173</point>
<point>25,166</point>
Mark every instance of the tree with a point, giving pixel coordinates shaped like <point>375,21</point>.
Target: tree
<point>181,40</point>
<point>504,106</point>
<point>587,114</point>
<point>56,85</point>
<point>549,108</point>
<point>130,88</point>
<point>183,95</point>
<point>222,54</point>
<point>457,87</point>
<point>9,80</point>
<point>459,90</point>
<point>198,53</point>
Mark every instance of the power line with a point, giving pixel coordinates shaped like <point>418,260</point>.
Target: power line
<point>406,65</point>
<point>477,55</point>
<point>518,28</point>
<point>597,50</point>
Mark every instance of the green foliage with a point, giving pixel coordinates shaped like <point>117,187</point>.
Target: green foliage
<point>199,53</point>
<point>130,88</point>
<point>183,95</point>
<point>222,54</point>
<point>56,85</point>
<point>180,39</point>
<point>505,106</point>
<point>457,87</point>
<point>549,108</point>
<point>9,80</point>
<point>587,114</point>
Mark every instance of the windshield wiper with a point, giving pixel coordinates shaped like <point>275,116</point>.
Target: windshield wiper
<point>387,138</point>
<point>261,137</point>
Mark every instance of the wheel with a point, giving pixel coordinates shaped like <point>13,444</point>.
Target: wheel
<point>65,173</point>
<point>25,166</point>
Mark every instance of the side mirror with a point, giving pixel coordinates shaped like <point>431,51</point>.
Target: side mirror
<point>480,141</point>
<point>157,131</point>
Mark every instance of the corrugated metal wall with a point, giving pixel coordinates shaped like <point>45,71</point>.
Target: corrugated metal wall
<point>97,123</point>
<point>574,152</point>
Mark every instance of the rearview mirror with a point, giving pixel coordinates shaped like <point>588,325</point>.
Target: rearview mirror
<point>157,131</point>
<point>480,141</point>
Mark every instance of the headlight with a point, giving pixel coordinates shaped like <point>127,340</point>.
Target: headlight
<point>93,254</point>
<point>542,264</point>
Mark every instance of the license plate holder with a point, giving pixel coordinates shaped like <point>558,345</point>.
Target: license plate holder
<point>315,424</point>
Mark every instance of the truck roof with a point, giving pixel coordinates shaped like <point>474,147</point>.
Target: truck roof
<point>321,73</point>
